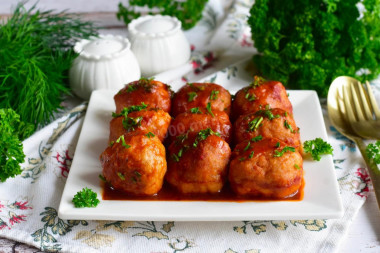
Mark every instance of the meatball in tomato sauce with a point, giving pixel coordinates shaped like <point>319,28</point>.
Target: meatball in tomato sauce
<point>151,121</point>
<point>202,95</point>
<point>267,168</point>
<point>259,94</point>
<point>269,123</point>
<point>198,163</point>
<point>153,93</point>
<point>135,164</point>
<point>198,119</point>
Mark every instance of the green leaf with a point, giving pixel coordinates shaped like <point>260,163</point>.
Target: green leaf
<point>86,198</point>
<point>317,147</point>
<point>11,148</point>
<point>373,151</point>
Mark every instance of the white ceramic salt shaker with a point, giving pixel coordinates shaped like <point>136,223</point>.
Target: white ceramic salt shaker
<point>158,43</point>
<point>103,62</point>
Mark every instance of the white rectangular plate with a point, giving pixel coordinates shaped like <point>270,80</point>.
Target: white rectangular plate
<point>321,193</point>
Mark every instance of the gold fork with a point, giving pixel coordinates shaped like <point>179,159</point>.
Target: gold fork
<point>339,105</point>
<point>362,110</point>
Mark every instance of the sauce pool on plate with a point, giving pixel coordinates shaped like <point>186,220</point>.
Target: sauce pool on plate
<point>169,193</point>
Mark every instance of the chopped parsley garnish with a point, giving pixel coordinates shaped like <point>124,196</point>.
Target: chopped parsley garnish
<point>150,134</point>
<point>130,123</point>
<point>145,83</point>
<point>136,177</point>
<point>257,81</point>
<point>254,124</point>
<point>285,114</point>
<point>181,138</point>
<point>288,126</point>
<point>208,107</point>
<point>102,178</point>
<point>111,143</point>
<point>191,95</point>
<point>373,151</point>
<point>121,138</point>
<point>194,88</point>
<point>132,87</point>
<point>203,134</point>
<point>297,167</point>
<point>248,146</point>
<point>214,94</point>
<point>241,159</point>
<point>277,145</point>
<point>282,152</point>
<point>121,176</point>
<point>250,97</point>
<point>127,110</point>
<point>195,110</point>
<point>86,198</point>
<point>267,113</point>
<point>257,138</point>
<point>251,154</point>
<point>317,147</point>
<point>175,157</point>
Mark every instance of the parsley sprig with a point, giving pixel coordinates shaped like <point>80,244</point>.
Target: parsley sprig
<point>86,198</point>
<point>317,147</point>
<point>373,151</point>
<point>12,132</point>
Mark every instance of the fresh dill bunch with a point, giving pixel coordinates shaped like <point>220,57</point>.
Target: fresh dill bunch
<point>35,56</point>
<point>189,12</point>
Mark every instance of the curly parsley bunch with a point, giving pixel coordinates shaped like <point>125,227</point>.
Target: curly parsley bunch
<point>12,132</point>
<point>306,44</point>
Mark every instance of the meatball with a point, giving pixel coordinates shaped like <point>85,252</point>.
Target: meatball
<point>200,95</point>
<point>198,164</point>
<point>258,95</point>
<point>267,168</point>
<point>135,164</point>
<point>153,93</point>
<point>269,123</point>
<point>199,119</point>
<point>151,120</point>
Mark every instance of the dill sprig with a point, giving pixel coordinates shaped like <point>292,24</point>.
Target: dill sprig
<point>35,55</point>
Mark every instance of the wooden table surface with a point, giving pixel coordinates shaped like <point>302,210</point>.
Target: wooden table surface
<point>364,232</point>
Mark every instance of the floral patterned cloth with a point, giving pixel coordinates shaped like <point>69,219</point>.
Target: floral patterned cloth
<point>29,202</point>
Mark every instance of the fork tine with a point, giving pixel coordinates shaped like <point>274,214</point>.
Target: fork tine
<point>347,104</point>
<point>356,103</point>
<point>372,99</point>
<point>365,101</point>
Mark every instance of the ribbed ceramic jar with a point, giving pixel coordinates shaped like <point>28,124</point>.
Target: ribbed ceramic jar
<point>103,62</point>
<point>158,43</point>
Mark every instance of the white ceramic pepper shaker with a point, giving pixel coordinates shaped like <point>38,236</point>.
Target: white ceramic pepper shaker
<point>158,43</point>
<point>103,62</point>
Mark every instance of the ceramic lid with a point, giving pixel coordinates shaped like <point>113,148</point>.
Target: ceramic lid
<point>154,26</point>
<point>102,47</point>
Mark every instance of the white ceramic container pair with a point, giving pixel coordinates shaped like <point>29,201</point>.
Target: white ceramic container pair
<point>157,44</point>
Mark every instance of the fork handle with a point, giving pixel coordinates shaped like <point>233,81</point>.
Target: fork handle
<point>374,171</point>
